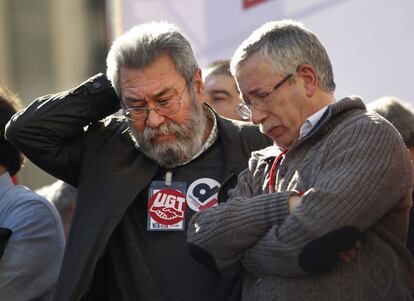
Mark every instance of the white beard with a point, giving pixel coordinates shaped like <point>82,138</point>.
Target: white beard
<point>189,138</point>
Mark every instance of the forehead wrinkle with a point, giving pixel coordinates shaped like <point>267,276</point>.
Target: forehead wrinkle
<point>161,93</point>
<point>165,91</point>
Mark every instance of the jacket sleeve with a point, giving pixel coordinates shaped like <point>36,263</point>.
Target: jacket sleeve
<point>218,236</point>
<point>49,132</point>
<point>365,175</point>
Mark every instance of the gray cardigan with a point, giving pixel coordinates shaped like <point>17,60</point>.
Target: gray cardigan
<point>354,170</point>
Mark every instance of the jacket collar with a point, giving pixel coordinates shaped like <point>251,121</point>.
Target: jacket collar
<point>5,183</point>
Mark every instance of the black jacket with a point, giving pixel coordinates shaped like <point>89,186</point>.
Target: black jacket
<point>64,135</point>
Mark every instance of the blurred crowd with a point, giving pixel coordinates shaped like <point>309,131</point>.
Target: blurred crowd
<point>244,180</point>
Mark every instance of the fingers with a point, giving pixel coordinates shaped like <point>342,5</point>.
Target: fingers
<point>293,202</point>
<point>349,255</point>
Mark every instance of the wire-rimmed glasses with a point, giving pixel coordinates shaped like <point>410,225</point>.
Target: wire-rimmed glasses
<point>258,102</point>
<point>164,107</point>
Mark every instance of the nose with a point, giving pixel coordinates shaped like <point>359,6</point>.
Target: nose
<point>257,116</point>
<point>154,119</point>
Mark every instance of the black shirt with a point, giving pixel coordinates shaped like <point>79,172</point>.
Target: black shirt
<point>155,265</point>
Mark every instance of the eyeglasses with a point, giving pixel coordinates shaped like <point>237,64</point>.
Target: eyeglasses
<point>259,101</point>
<point>164,107</point>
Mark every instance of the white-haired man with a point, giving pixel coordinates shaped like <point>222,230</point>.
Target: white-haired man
<point>334,166</point>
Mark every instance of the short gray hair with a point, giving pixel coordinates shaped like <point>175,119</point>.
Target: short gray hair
<point>62,195</point>
<point>143,44</point>
<point>286,45</point>
<point>399,113</point>
<point>218,67</point>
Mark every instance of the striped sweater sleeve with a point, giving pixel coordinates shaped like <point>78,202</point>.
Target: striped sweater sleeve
<point>224,232</point>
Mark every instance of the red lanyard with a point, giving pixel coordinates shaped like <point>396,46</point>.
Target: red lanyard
<point>273,169</point>
<point>273,172</point>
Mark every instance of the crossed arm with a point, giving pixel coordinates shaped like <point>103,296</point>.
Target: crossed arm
<point>258,231</point>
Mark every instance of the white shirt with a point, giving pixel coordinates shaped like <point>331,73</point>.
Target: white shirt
<point>31,260</point>
<point>311,122</point>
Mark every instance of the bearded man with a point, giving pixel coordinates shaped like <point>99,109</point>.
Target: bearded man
<point>140,176</point>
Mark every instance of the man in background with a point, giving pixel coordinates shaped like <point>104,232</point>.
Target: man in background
<point>221,91</point>
<point>401,115</point>
<point>63,196</point>
<point>31,234</point>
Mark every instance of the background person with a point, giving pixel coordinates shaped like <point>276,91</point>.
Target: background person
<point>401,115</point>
<point>31,234</point>
<point>63,196</point>
<point>221,91</point>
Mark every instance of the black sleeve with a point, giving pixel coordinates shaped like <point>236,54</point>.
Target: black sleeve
<point>50,130</point>
<point>321,255</point>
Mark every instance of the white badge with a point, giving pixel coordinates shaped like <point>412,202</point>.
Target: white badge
<point>202,194</point>
<point>166,206</point>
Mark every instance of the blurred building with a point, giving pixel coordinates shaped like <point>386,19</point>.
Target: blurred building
<point>49,46</point>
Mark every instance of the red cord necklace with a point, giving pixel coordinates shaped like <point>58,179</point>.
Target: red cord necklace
<point>275,164</point>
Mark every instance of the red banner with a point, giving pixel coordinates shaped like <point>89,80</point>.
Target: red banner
<point>249,3</point>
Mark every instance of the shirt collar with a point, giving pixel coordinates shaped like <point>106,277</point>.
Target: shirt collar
<point>311,122</point>
<point>5,183</point>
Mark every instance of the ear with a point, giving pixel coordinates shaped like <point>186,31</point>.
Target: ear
<point>310,78</point>
<point>198,86</point>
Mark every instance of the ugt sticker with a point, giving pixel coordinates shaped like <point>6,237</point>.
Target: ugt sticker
<point>167,207</point>
<point>203,194</point>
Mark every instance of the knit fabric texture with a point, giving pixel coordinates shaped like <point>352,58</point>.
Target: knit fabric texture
<point>355,171</point>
